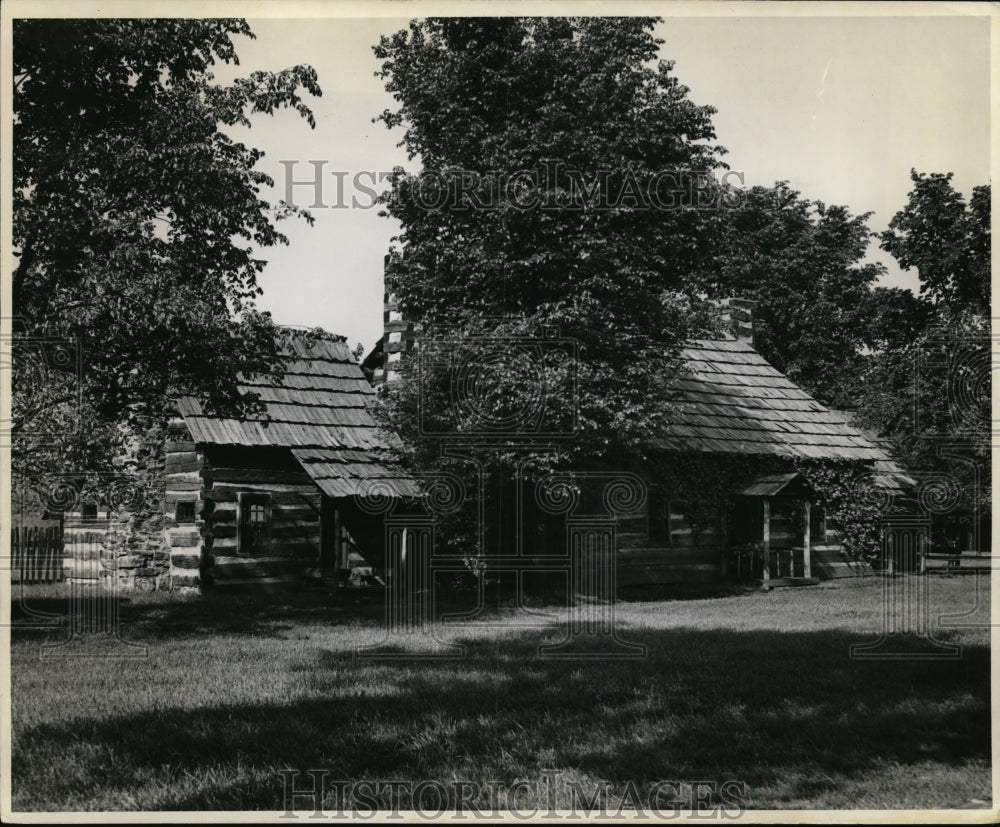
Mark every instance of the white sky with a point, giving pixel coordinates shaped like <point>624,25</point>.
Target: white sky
<point>842,108</point>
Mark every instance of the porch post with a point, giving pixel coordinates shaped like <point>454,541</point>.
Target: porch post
<point>338,556</point>
<point>724,562</point>
<point>806,547</point>
<point>767,539</point>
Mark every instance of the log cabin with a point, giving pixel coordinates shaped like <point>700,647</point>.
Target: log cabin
<point>274,498</point>
<point>747,427</point>
<point>733,405</point>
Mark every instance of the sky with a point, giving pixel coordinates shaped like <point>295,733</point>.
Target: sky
<point>841,108</point>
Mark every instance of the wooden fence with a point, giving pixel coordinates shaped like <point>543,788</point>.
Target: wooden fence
<point>36,554</point>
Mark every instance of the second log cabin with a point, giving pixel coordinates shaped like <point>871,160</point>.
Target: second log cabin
<point>273,498</point>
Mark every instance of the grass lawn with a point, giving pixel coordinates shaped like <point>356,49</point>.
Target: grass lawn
<point>759,689</point>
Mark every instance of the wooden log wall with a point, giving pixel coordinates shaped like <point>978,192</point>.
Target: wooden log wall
<point>682,555</point>
<point>84,546</point>
<point>294,501</point>
<point>183,484</point>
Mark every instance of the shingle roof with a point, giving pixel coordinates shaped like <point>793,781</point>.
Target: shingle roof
<point>319,410</point>
<point>732,401</point>
<point>887,474</point>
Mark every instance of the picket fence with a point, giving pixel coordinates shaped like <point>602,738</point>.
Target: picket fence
<point>36,554</point>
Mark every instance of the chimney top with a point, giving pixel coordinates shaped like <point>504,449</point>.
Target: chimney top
<point>736,315</point>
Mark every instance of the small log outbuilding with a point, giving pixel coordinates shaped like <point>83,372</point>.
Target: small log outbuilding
<point>272,498</point>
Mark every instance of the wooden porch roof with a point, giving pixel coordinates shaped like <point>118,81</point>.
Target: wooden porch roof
<point>772,485</point>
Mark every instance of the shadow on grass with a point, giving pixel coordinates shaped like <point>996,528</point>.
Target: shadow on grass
<point>163,616</point>
<point>757,707</point>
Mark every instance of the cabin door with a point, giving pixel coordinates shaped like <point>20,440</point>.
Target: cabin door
<point>331,536</point>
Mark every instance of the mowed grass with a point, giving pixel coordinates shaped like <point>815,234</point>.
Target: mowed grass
<point>759,689</point>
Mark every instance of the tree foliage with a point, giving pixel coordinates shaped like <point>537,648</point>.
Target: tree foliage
<point>546,249</point>
<point>929,387</point>
<point>137,222</point>
<point>545,137</point>
<point>137,219</point>
<point>802,261</point>
<point>946,240</point>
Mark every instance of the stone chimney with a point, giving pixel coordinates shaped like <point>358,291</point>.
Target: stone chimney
<point>397,336</point>
<point>737,318</point>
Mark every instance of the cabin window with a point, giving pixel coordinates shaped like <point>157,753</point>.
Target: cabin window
<point>255,523</point>
<point>680,531</point>
<point>184,512</point>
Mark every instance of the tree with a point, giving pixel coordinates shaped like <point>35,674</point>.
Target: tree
<point>928,388</point>
<point>547,245</point>
<point>802,262</point>
<point>561,164</point>
<point>946,240</point>
<point>136,218</point>
<point>137,221</point>
<point>896,317</point>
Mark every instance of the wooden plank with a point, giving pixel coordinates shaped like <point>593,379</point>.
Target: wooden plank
<point>806,549</point>
<point>226,567</point>
<point>83,551</point>
<point>184,537</point>
<point>174,477</point>
<point>47,558</point>
<point>767,539</point>
<point>33,546</point>
<point>223,513</point>
<point>171,498</point>
<point>45,548</point>
<point>262,476</point>
<point>290,547</point>
<point>185,559</point>
<point>281,513</point>
<point>307,532</point>
<point>958,562</point>
<point>280,494</point>
<point>33,549</point>
<point>28,549</point>
<point>181,462</point>
<point>226,513</point>
<point>172,486</point>
<point>45,567</point>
